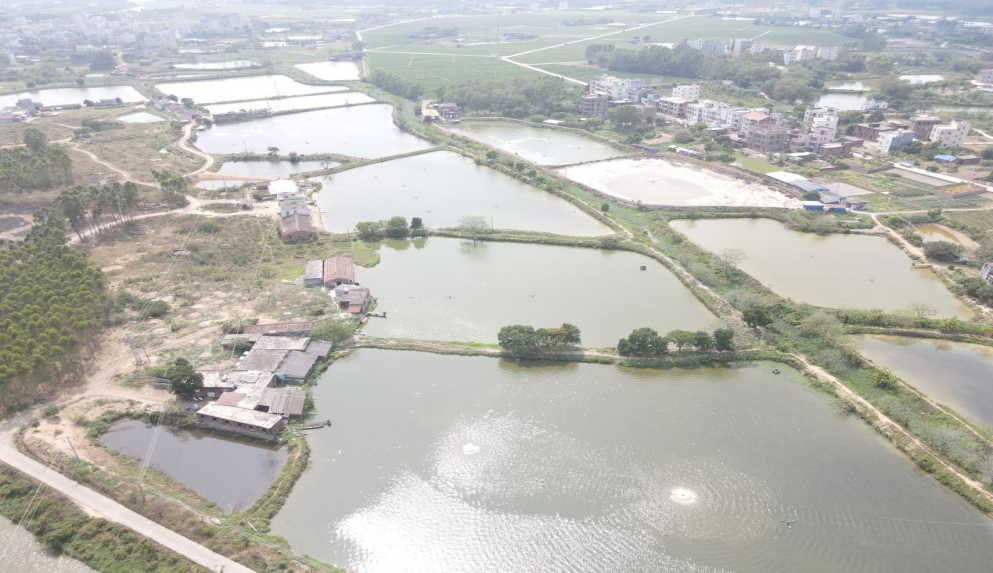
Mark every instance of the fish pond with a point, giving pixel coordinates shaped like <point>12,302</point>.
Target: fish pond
<point>242,89</point>
<point>448,289</point>
<point>271,169</point>
<point>468,464</point>
<point>537,145</point>
<point>227,65</point>
<point>361,131</point>
<point>956,374</point>
<point>295,103</point>
<point>70,96</point>
<point>835,271</point>
<point>231,473</point>
<point>662,182</point>
<point>442,188</point>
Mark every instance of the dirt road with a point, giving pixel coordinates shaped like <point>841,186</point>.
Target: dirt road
<point>95,503</point>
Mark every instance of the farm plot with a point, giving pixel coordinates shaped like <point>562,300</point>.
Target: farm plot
<point>431,71</point>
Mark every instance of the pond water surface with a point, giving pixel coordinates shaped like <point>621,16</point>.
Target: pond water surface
<point>444,289</point>
<point>331,71</point>
<point>230,472</point>
<point>937,232</point>
<point>922,78</point>
<point>835,271</point>
<point>661,182</point>
<point>273,169</point>
<point>470,465</point>
<point>442,188</point>
<point>843,101</point>
<point>955,374</point>
<point>295,103</point>
<point>241,89</point>
<point>67,96</point>
<point>228,65</point>
<point>361,131</point>
<point>23,553</point>
<point>537,145</point>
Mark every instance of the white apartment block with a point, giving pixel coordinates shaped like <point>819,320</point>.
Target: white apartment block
<point>709,112</point>
<point>815,138</point>
<point>802,53</point>
<point>828,52</point>
<point>690,92</point>
<point>616,88</point>
<point>821,117</point>
<point>951,135</point>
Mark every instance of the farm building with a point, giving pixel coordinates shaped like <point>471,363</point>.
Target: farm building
<point>339,270</point>
<point>249,422</point>
<point>313,274</point>
<point>297,228</point>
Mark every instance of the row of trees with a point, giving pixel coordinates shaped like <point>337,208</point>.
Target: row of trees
<point>521,339</point>
<point>516,97</point>
<point>644,342</point>
<point>51,301</point>
<point>746,71</point>
<point>397,85</point>
<point>394,228</point>
<point>87,209</point>
<point>34,166</point>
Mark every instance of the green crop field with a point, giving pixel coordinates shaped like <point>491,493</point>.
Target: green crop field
<point>431,71</point>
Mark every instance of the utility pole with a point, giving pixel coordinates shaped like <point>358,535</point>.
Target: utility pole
<point>73,450</point>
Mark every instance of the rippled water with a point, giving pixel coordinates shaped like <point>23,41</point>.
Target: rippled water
<point>230,472</point>
<point>361,131</point>
<point>455,464</point>
<point>23,553</point>
<point>956,374</point>
<point>835,271</point>
<point>442,188</point>
<point>541,146</point>
<point>444,289</point>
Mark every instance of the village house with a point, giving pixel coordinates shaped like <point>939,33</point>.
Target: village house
<point>352,299</point>
<point>951,135</point>
<point>313,273</point>
<point>297,228</point>
<point>339,270</point>
<point>871,131</point>
<point>448,111</point>
<point>240,420</point>
<point>593,104</point>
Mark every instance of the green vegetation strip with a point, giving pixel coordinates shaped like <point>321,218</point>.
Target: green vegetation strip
<point>62,527</point>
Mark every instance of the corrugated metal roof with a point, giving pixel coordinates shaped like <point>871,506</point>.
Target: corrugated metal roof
<point>319,348</point>
<point>284,401</point>
<point>241,415</point>
<point>279,327</point>
<point>339,268</point>
<point>314,270</point>
<point>296,365</point>
<point>263,359</point>
<point>282,343</point>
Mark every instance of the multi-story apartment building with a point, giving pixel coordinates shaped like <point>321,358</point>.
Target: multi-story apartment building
<point>891,141</point>
<point>690,92</point>
<point>769,138</point>
<point>815,138</point>
<point>673,106</point>
<point>618,89</point>
<point>821,117</point>
<point>951,135</point>
<point>594,104</point>
<point>923,125</point>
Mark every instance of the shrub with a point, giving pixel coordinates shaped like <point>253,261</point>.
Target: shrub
<point>51,411</point>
